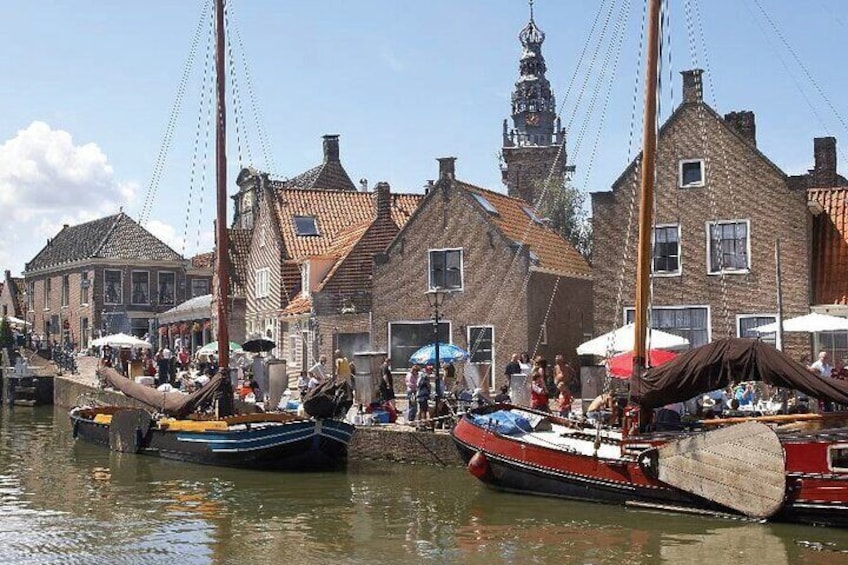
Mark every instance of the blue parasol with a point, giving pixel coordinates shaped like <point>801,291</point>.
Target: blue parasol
<point>447,352</point>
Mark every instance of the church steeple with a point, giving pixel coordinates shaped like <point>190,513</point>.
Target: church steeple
<point>534,119</point>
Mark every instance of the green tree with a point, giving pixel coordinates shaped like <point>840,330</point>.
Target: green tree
<point>565,208</point>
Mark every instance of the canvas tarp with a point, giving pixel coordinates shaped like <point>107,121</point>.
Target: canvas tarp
<point>731,360</point>
<point>176,404</point>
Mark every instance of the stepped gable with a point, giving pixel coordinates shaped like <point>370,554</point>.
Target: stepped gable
<point>830,245</point>
<point>554,253</point>
<point>113,237</point>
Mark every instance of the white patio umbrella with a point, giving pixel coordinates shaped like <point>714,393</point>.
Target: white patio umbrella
<point>808,323</point>
<point>120,340</point>
<point>620,340</point>
<point>16,321</point>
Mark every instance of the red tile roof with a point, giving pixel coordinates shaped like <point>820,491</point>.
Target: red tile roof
<point>553,252</point>
<point>830,245</point>
<point>203,260</point>
<point>335,211</point>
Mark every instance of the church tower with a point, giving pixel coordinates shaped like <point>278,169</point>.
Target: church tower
<point>534,148</point>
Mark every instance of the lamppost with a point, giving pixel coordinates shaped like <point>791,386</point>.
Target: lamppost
<point>436,298</point>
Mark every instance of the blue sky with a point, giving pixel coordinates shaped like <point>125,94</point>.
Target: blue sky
<point>89,85</point>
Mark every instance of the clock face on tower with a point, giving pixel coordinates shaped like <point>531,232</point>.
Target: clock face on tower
<point>532,119</point>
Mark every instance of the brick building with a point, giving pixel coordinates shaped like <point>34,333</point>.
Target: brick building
<point>12,296</point>
<point>307,274</point>
<point>720,206</point>
<point>105,276</point>
<point>515,284</point>
<point>828,203</point>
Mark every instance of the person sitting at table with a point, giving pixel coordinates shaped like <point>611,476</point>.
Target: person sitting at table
<point>745,395</point>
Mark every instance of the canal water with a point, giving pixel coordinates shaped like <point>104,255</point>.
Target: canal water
<point>66,502</point>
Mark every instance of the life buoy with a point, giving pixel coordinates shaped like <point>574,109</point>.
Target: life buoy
<point>478,465</point>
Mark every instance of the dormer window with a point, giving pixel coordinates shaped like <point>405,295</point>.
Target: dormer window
<point>532,215</point>
<point>305,225</point>
<point>484,202</point>
<point>691,173</point>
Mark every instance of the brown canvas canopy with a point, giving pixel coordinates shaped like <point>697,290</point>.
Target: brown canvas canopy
<point>176,404</point>
<point>727,361</point>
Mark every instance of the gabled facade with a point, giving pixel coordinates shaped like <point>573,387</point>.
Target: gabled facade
<point>720,207</point>
<point>515,285</point>
<point>104,276</point>
<point>11,296</point>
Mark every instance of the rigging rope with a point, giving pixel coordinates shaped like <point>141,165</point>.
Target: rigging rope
<point>159,164</point>
<point>192,184</point>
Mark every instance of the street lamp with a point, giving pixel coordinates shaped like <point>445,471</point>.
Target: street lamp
<point>436,298</point>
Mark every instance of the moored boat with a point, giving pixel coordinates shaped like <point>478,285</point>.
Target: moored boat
<point>203,427</point>
<point>787,467</point>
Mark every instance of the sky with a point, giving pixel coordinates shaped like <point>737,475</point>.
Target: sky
<point>88,123</point>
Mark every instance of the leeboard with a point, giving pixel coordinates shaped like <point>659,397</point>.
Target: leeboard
<point>741,467</point>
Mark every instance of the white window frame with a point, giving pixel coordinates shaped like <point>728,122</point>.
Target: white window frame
<point>261,277</point>
<point>430,285</point>
<point>471,344</point>
<point>120,286</point>
<point>66,291</point>
<point>678,307</point>
<point>48,290</point>
<point>85,289</point>
<point>304,278</point>
<point>680,173</point>
<point>159,287</point>
<point>830,451</point>
<point>739,317</point>
<point>679,271</point>
<point>725,270</point>
<point>132,299</point>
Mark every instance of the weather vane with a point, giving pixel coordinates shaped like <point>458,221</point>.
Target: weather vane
<point>531,9</point>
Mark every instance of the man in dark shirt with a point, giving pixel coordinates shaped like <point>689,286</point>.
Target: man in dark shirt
<point>512,368</point>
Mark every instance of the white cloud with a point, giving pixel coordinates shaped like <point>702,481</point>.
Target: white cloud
<point>47,181</point>
<point>187,245</point>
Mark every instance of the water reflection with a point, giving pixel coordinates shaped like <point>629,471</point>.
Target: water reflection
<point>68,502</point>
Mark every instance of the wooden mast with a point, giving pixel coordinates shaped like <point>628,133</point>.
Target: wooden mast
<point>222,235</point>
<point>646,201</point>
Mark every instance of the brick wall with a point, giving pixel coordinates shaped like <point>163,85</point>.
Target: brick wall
<point>492,294</point>
<point>566,304</point>
<point>739,184</point>
<point>527,169</point>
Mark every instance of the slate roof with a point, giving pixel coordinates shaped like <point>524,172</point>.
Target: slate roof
<point>554,253</point>
<point>830,245</point>
<point>330,175</point>
<point>113,237</point>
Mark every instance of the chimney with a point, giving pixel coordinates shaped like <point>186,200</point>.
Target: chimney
<point>693,86</point>
<point>65,226</point>
<point>331,148</point>
<point>447,167</point>
<point>382,199</point>
<point>429,186</point>
<point>743,123</point>
<point>824,172</point>
<point>8,274</point>
<point>363,185</point>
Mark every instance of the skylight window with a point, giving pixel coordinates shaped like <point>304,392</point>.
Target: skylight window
<point>305,225</point>
<point>532,215</point>
<point>484,202</point>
